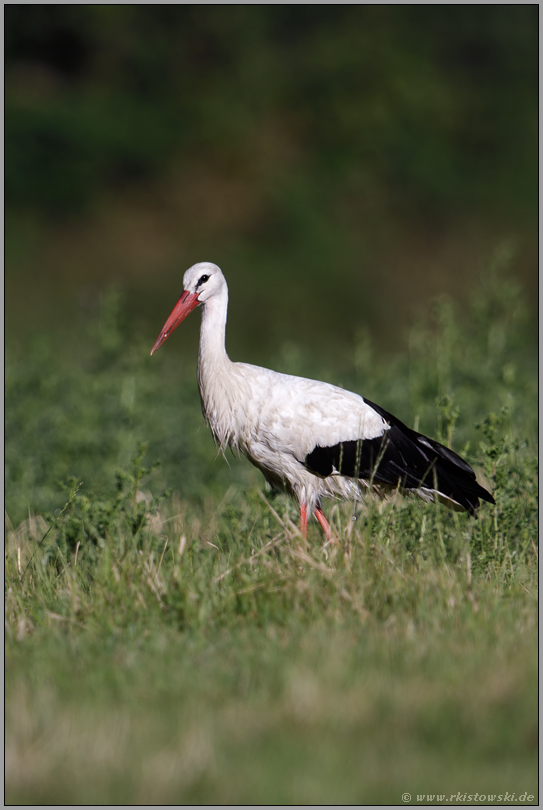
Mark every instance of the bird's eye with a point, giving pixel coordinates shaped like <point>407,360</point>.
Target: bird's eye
<point>202,280</point>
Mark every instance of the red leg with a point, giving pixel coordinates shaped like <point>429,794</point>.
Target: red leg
<point>319,514</point>
<point>303,519</point>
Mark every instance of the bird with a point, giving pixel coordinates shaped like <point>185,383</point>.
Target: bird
<point>311,439</point>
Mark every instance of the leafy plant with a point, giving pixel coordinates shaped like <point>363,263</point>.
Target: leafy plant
<point>151,629</point>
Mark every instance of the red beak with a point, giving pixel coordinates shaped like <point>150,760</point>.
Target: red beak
<point>184,307</point>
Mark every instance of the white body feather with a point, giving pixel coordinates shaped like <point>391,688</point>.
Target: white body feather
<point>276,419</point>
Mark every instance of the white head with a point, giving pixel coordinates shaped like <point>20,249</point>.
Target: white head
<point>205,280</point>
<point>201,282</point>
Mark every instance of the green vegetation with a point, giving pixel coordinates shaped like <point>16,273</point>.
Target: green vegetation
<point>431,105</point>
<point>170,639</point>
<point>187,647</point>
<point>383,148</point>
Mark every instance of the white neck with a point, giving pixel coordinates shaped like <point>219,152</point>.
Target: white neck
<point>214,366</point>
<point>212,331</point>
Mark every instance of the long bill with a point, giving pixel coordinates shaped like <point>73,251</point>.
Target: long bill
<point>184,307</point>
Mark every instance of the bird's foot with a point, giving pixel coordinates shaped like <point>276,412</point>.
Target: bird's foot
<point>303,521</point>
<point>330,539</point>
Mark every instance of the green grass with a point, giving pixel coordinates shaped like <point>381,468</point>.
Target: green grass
<point>188,647</point>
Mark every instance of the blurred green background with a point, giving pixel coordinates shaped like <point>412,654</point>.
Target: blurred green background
<point>343,164</point>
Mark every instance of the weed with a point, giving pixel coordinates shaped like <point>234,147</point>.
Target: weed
<point>189,647</point>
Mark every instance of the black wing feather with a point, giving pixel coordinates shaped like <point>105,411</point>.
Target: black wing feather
<point>403,458</point>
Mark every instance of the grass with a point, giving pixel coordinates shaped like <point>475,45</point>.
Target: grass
<point>188,647</point>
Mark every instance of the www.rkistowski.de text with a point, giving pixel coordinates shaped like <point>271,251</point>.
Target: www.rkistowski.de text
<point>468,797</point>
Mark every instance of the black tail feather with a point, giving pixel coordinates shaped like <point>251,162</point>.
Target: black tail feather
<point>452,474</point>
<point>403,458</point>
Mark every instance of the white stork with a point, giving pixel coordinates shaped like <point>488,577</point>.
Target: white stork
<point>310,439</point>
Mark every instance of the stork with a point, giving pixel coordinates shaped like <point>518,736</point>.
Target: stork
<point>310,439</point>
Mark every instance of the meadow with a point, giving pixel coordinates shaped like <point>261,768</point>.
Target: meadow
<point>170,637</point>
